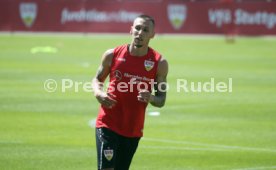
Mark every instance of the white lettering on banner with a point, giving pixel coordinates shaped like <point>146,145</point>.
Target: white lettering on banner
<point>243,17</point>
<point>219,16</point>
<point>97,16</point>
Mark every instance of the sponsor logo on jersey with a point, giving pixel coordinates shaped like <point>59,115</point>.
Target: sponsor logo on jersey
<point>121,59</point>
<point>28,12</point>
<point>108,154</point>
<point>177,14</point>
<point>117,75</point>
<point>148,65</point>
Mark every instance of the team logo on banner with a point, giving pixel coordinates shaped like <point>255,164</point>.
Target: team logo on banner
<point>108,154</point>
<point>28,12</point>
<point>177,15</point>
<point>148,65</point>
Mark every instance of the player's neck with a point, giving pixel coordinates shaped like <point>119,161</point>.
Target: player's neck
<point>136,51</point>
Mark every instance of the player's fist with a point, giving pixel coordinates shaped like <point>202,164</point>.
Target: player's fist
<point>107,100</point>
<point>145,96</point>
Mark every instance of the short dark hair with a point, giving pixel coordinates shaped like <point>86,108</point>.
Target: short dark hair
<point>147,18</point>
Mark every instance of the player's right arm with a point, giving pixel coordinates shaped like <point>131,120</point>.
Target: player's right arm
<point>98,81</point>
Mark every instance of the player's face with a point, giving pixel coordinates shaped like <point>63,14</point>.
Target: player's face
<point>141,31</point>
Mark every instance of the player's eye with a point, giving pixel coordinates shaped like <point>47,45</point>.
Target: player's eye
<point>138,28</point>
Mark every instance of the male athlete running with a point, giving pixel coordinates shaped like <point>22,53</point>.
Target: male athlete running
<point>132,69</point>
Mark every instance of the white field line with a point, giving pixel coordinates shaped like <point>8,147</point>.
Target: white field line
<point>112,35</point>
<point>183,148</point>
<point>257,168</point>
<point>187,106</point>
<point>176,107</point>
<point>218,146</point>
<point>10,142</point>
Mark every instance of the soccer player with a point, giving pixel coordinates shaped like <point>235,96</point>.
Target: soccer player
<point>134,70</point>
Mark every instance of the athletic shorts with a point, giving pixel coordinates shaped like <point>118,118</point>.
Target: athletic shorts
<point>113,150</point>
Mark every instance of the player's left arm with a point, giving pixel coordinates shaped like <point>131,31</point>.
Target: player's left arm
<point>160,87</point>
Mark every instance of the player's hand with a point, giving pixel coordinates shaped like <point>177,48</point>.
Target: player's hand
<point>145,96</point>
<point>107,100</point>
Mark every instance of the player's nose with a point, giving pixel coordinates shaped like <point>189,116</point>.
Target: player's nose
<point>140,32</point>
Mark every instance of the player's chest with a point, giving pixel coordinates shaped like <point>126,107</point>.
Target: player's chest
<point>143,65</point>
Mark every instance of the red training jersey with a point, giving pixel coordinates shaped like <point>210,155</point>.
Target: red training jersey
<point>128,75</point>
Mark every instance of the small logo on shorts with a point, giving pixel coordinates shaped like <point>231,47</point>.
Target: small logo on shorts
<point>108,154</point>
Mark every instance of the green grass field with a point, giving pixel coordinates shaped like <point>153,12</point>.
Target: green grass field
<point>195,131</point>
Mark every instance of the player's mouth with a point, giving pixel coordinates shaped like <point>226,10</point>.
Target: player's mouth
<point>138,42</point>
<point>138,39</point>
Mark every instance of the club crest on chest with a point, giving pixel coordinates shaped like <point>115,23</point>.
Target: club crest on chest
<point>148,64</point>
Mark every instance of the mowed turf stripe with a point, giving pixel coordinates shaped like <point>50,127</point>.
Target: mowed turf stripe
<point>257,168</point>
<point>211,145</point>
